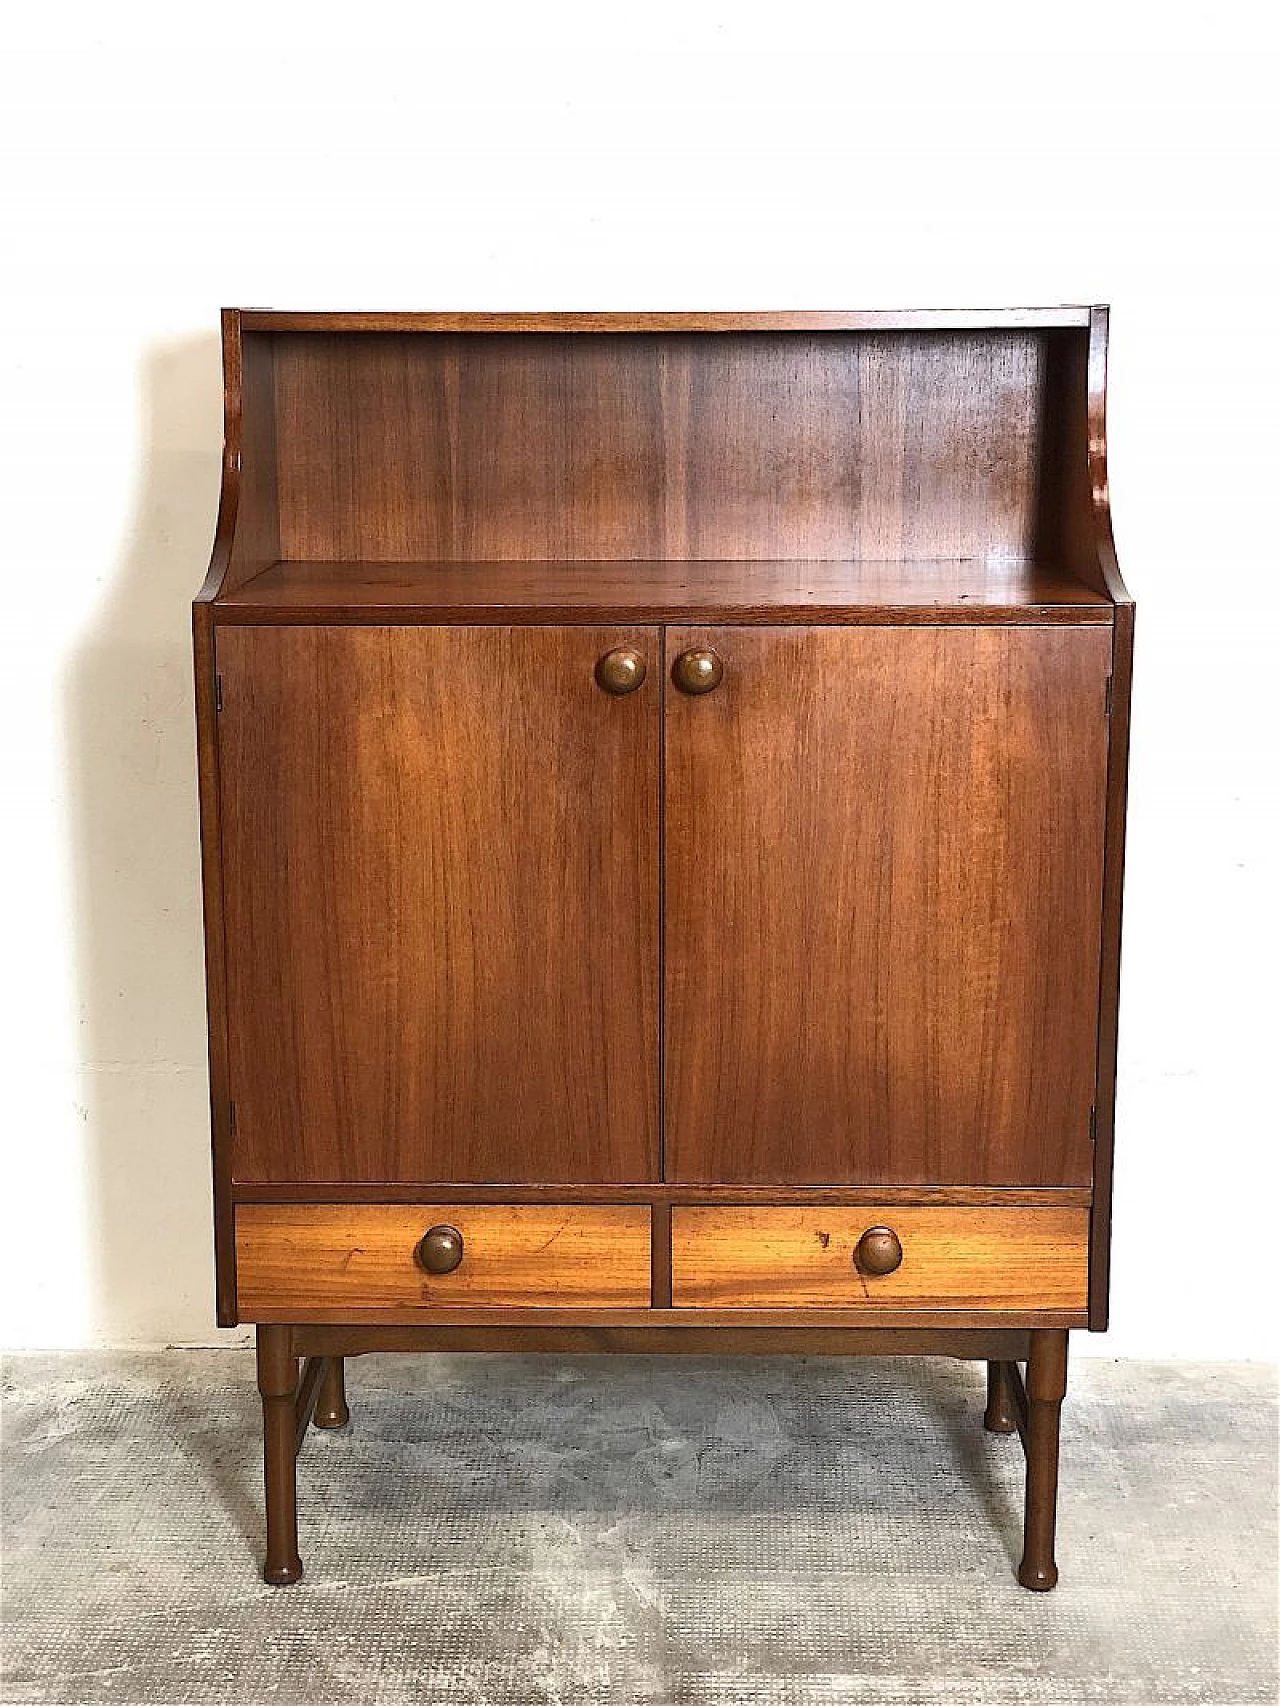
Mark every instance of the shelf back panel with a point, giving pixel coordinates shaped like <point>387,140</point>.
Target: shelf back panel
<point>461,447</point>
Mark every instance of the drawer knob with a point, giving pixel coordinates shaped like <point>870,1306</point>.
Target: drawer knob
<point>698,671</point>
<point>621,671</point>
<point>879,1250</point>
<point>440,1251</point>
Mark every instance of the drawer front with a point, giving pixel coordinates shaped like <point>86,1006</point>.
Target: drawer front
<point>297,1261</point>
<point>814,1257</point>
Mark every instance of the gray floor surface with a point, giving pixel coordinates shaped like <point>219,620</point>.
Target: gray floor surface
<point>690,1532</point>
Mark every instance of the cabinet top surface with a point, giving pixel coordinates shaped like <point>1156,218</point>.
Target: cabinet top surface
<point>767,320</point>
<point>953,592</point>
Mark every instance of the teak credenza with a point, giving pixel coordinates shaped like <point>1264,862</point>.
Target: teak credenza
<point>662,780</point>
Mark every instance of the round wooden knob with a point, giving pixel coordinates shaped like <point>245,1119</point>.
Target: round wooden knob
<point>440,1251</point>
<point>698,671</point>
<point>621,671</point>
<point>879,1250</point>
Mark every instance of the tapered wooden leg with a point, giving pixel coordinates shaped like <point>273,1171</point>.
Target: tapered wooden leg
<point>1046,1388</point>
<point>1001,1416</point>
<point>331,1400</point>
<point>278,1385</point>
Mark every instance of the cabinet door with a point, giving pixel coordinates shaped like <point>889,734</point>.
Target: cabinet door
<point>441,895</point>
<point>883,905</point>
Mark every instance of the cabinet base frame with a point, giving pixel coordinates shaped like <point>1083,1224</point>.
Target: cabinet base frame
<point>300,1380</point>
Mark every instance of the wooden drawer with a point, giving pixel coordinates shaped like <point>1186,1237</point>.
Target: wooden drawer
<point>317,1261</point>
<point>952,1258</point>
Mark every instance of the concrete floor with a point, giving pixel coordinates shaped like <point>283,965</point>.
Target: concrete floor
<point>678,1531</point>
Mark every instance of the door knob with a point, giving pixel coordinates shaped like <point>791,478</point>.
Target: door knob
<point>879,1250</point>
<point>621,671</point>
<point>440,1250</point>
<point>698,671</point>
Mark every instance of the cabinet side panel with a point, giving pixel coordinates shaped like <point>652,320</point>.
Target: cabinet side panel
<point>440,852</point>
<point>1065,528</point>
<point>883,893</point>
<point>256,544</point>
<point>1109,1014</point>
<point>206,695</point>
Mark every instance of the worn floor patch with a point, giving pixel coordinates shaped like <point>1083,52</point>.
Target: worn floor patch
<point>678,1531</point>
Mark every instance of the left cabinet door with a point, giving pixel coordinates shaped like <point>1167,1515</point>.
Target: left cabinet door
<point>440,872</point>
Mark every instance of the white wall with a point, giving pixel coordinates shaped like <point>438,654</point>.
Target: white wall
<point>553,157</point>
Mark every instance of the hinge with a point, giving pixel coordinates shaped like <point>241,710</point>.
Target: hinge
<point>1110,680</point>
<point>231,1119</point>
<point>1093,1124</point>
<point>217,693</point>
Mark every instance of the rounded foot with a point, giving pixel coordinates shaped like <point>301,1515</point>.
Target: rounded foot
<point>280,1575</point>
<point>996,1423</point>
<point>1039,1578</point>
<point>332,1416</point>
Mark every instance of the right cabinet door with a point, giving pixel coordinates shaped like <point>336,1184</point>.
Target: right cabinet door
<point>883,901</point>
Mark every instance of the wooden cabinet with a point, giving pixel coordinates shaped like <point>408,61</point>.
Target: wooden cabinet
<point>662,787</point>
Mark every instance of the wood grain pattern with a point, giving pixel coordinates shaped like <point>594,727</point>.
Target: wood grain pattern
<point>1109,981</point>
<point>961,1196</point>
<point>299,1259</point>
<point>767,320</point>
<point>229,490</point>
<point>1066,531</point>
<point>257,533</point>
<point>969,1344</point>
<point>215,957</point>
<point>246,539</point>
<point>1099,532</point>
<point>773,592</point>
<point>876,445</point>
<point>970,1258</point>
<point>883,886</point>
<point>660,1225</point>
<point>278,1386</point>
<point>1045,1389</point>
<point>440,865</point>
<point>916,1317</point>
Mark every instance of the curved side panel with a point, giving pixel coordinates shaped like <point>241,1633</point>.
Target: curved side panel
<point>1099,490</point>
<point>206,684</point>
<point>247,539</point>
<point>229,497</point>
<point>1113,858</point>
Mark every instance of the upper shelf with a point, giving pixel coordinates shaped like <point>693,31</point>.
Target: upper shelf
<point>695,592</point>
<point>801,465</point>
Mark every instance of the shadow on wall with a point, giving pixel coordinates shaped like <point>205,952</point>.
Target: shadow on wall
<point>130,731</point>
